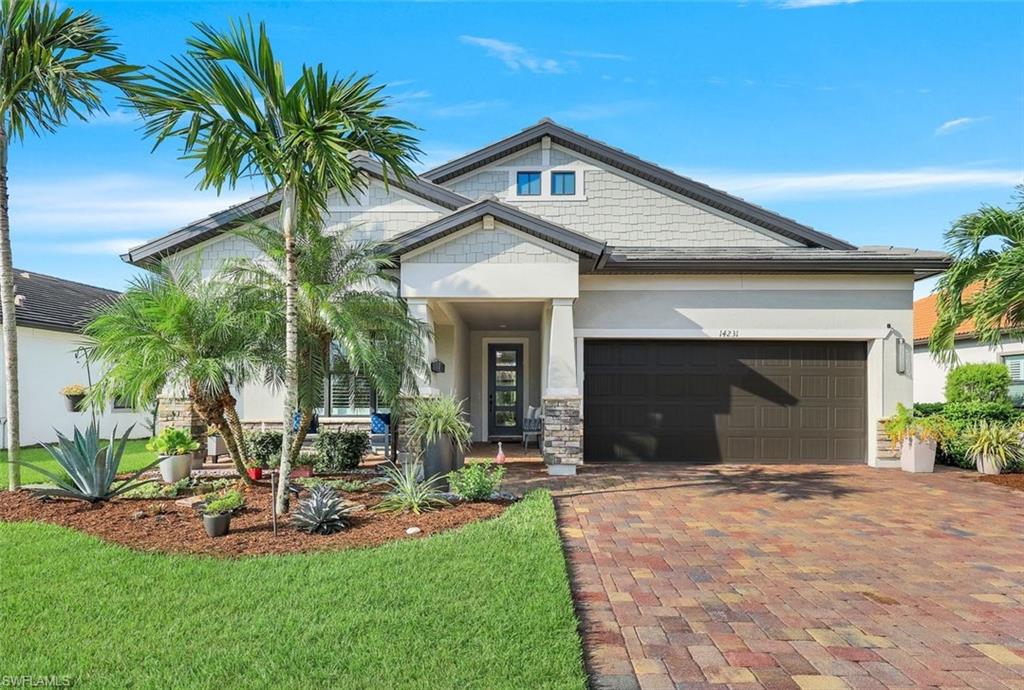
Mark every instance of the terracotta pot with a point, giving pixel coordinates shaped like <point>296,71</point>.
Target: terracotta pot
<point>217,525</point>
<point>917,455</point>
<point>175,467</point>
<point>254,473</point>
<point>302,471</point>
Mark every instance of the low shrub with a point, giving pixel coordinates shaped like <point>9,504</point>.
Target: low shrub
<point>928,409</point>
<point>408,493</point>
<point>224,502</point>
<point>264,448</point>
<point>476,482</point>
<point>961,418</point>
<point>987,382</point>
<point>173,441</point>
<point>338,451</point>
<point>346,485</point>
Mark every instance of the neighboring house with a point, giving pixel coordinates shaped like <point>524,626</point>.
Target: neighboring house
<point>930,376</point>
<point>51,312</point>
<point>651,316</point>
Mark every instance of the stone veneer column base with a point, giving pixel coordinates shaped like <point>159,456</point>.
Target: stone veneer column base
<point>174,411</point>
<point>563,434</point>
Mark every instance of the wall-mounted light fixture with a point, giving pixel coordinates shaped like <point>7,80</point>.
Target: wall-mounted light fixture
<point>437,366</point>
<point>901,356</point>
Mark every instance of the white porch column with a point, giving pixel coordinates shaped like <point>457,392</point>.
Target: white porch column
<point>419,309</point>
<point>563,423</point>
<point>561,351</point>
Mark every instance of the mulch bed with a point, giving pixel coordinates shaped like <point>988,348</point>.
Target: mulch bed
<point>1012,481</point>
<point>161,525</point>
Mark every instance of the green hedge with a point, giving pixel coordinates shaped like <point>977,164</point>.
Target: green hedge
<point>961,416</point>
<point>264,448</point>
<point>337,451</point>
<point>986,382</point>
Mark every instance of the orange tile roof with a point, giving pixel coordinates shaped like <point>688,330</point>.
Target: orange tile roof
<point>926,314</point>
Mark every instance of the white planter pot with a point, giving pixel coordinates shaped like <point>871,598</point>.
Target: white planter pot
<point>175,467</point>
<point>986,465</point>
<point>215,446</point>
<point>917,455</point>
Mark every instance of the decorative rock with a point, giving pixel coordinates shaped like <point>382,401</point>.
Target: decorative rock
<point>189,501</point>
<point>138,515</point>
<point>412,531</point>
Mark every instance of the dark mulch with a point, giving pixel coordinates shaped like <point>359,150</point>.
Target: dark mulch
<point>1012,481</point>
<point>161,525</point>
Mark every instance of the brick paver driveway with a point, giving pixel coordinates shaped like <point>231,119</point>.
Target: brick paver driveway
<point>796,577</point>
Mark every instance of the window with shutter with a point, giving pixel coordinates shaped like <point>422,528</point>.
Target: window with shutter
<point>347,393</point>
<point>1015,363</point>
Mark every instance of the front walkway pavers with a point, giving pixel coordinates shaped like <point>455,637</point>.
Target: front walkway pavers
<point>795,577</point>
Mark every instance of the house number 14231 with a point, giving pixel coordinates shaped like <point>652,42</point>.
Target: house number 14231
<point>728,333</point>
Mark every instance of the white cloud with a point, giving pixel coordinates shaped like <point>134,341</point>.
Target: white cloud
<point>112,203</point>
<point>466,108</point>
<point>804,4</point>
<point>794,185</point>
<point>118,246</point>
<point>600,111</point>
<point>515,56</point>
<point>959,123</point>
<point>596,55</point>
<point>118,116</point>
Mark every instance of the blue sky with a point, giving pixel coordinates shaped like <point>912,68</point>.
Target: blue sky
<point>876,122</point>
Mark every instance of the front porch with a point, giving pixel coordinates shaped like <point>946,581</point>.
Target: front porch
<point>510,361</point>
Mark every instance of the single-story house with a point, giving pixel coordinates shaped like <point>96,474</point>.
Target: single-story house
<point>650,316</point>
<point>50,313</point>
<point>930,375</point>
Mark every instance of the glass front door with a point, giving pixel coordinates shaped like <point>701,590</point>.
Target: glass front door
<point>505,390</point>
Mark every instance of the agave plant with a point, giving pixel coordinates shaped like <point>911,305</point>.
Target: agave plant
<point>324,512</point>
<point>90,469</point>
<point>994,446</point>
<point>408,492</point>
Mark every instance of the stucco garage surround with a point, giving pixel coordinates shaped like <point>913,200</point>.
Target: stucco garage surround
<point>875,310</point>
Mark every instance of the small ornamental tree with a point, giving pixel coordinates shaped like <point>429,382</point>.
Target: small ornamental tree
<point>978,382</point>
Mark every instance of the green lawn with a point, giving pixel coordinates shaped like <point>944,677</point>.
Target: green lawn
<point>485,607</point>
<point>135,457</point>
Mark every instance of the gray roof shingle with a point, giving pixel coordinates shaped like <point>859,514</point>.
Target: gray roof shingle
<point>55,304</point>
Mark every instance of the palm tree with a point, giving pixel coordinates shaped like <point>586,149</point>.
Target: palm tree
<point>350,317</point>
<point>52,66</point>
<point>227,100</point>
<point>985,283</point>
<point>171,329</point>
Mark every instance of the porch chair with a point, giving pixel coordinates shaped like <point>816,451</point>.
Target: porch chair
<point>533,425</point>
<point>380,433</point>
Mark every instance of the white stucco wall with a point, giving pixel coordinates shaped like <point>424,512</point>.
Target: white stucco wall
<point>46,363</point>
<point>930,376</point>
<point>611,205</point>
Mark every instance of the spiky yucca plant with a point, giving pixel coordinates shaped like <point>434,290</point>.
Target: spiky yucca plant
<point>324,512</point>
<point>408,492</point>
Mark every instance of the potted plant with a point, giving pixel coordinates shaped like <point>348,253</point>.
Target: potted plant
<point>993,446</point>
<point>254,468</point>
<point>73,394</point>
<point>917,438</point>
<point>175,447</point>
<point>215,445</point>
<point>438,427</point>
<point>304,464</point>
<point>218,509</point>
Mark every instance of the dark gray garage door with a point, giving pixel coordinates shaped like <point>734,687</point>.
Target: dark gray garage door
<point>724,401</point>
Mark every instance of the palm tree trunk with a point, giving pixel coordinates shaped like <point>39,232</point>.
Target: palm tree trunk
<point>7,309</point>
<point>291,341</point>
<point>300,437</point>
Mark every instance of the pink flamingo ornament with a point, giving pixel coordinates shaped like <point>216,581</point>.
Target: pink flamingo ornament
<point>500,459</point>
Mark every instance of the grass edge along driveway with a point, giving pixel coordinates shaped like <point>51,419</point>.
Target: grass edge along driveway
<point>486,606</point>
